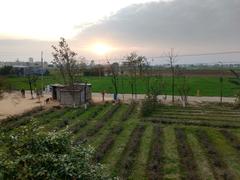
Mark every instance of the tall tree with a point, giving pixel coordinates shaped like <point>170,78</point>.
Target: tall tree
<point>65,60</point>
<point>31,80</point>
<point>114,72</point>
<point>172,60</point>
<point>221,82</point>
<point>131,58</point>
<point>136,64</point>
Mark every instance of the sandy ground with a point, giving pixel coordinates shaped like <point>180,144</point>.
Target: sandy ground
<point>97,97</point>
<point>13,104</point>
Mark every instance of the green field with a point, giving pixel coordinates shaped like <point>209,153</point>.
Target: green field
<point>207,86</point>
<point>200,142</point>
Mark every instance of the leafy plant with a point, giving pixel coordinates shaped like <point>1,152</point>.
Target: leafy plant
<point>31,154</point>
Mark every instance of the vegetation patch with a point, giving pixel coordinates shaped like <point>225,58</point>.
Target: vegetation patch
<point>129,153</point>
<point>219,167</point>
<point>156,155</point>
<point>234,140</point>
<point>100,123</point>
<point>188,163</point>
<point>192,123</point>
<point>107,143</point>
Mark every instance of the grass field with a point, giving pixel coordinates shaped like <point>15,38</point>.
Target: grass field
<point>207,86</point>
<point>200,142</point>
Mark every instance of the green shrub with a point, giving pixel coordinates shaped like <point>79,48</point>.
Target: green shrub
<point>237,100</point>
<point>31,154</point>
<point>148,105</point>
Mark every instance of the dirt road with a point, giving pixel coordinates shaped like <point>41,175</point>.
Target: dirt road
<point>13,104</point>
<point>192,99</point>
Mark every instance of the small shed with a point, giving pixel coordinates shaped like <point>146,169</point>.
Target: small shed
<point>55,88</point>
<point>77,95</point>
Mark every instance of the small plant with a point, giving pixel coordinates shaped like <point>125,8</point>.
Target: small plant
<point>237,100</point>
<point>148,105</point>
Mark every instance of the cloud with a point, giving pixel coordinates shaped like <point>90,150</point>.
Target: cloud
<point>206,25</point>
<point>11,49</point>
<point>189,26</point>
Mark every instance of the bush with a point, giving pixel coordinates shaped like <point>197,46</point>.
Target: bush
<point>148,105</point>
<point>237,100</point>
<point>31,154</point>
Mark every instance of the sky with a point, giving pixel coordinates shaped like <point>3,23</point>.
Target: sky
<point>99,29</point>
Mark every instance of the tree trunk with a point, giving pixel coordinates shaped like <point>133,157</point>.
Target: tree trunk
<point>30,86</point>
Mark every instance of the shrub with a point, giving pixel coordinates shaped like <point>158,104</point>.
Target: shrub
<point>237,100</point>
<point>148,105</point>
<point>31,154</point>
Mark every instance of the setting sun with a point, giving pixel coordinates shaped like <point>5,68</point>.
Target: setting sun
<point>101,49</point>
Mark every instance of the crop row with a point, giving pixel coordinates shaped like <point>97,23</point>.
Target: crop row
<point>128,156</point>
<point>198,118</point>
<point>19,120</point>
<point>107,143</point>
<point>75,129</point>
<point>129,111</point>
<point>111,136</point>
<point>218,166</point>
<point>234,140</point>
<point>156,155</point>
<point>193,122</point>
<point>187,161</point>
<point>100,123</point>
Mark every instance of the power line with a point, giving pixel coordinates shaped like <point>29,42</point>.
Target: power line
<point>200,54</point>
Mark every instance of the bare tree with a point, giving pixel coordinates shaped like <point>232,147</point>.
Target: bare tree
<point>236,81</point>
<point>140,61</point>
<point>221,83</point>
<point>31,80</point>
<point>183,90</point>
<point>172,60</point>
<point>131,58</point>
<point>136,64</point>
<point>114,72</point>
<point>65,60</point>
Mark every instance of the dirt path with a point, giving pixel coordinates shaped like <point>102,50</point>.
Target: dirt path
<point>13,104</point>
<point>192,99</point>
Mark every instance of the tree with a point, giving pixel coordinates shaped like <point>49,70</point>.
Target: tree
<point>236,82</point>
<point>172,60</point>
<point>31,154</point>
<point>183,90</point>
<point>2,87</point>
<point>65,60</point>
<point>135,63</point>
<point>131,58</point>
<point>6,70</point>
<point>31,80</point>
<point>141,61</point>
<point>221,83</point>
<point>114,72</point>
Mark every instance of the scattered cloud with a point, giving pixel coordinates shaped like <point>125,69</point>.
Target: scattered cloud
<point>189,25</point>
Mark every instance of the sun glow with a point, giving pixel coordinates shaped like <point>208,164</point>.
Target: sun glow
<point>101,49</point>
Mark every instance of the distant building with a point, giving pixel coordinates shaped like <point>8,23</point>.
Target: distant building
<point>21,70</point>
